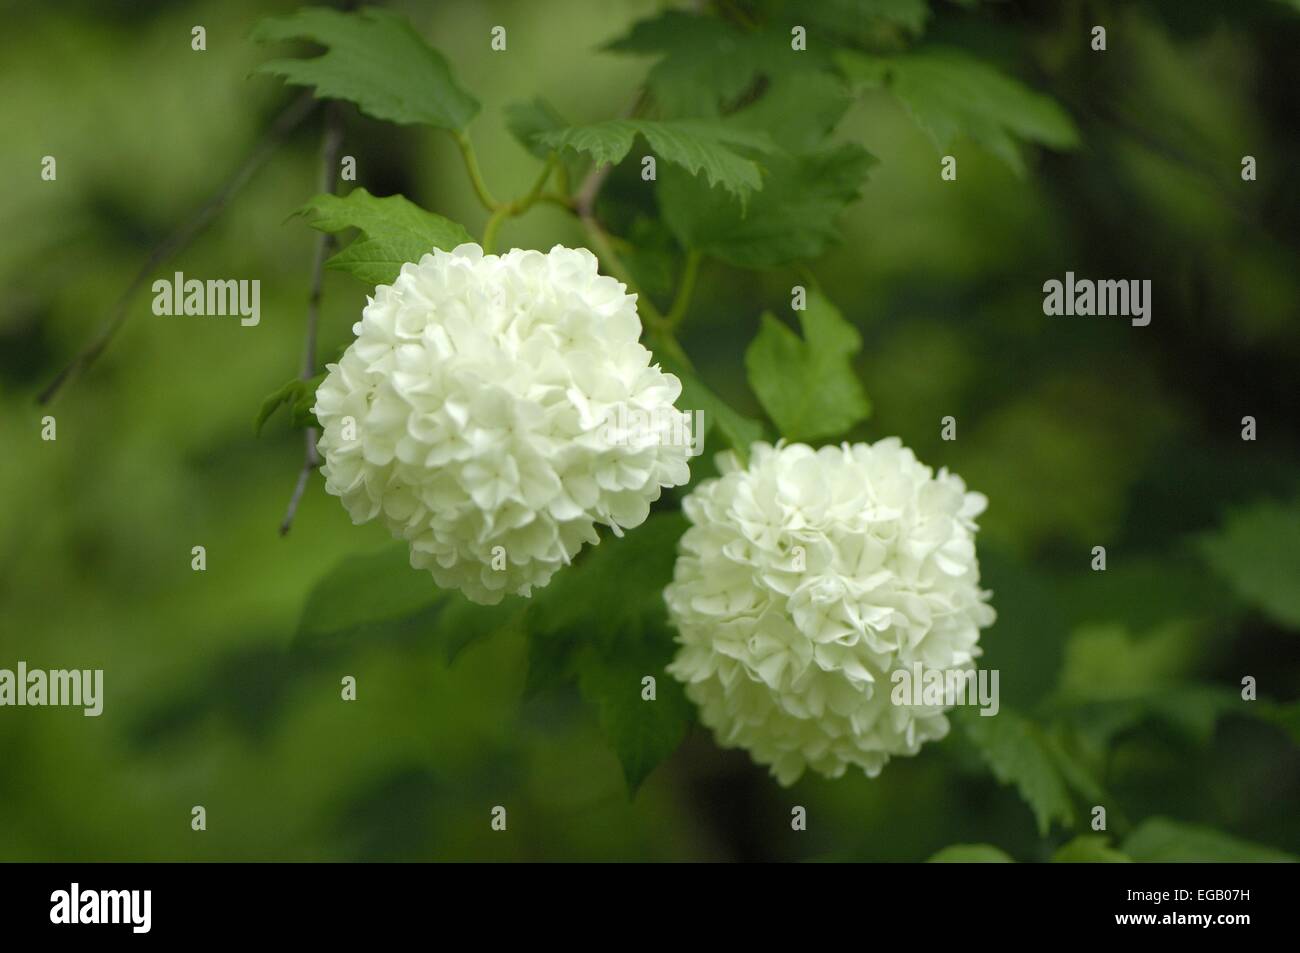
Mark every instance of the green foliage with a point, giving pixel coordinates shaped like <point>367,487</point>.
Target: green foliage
<point>807,183</point>
<point>739,431</point>
<point>792,219</point>
<point>1089,849</point>
<point>298,395</point>
<point>1160,840</point>
<point>393,232</point>
<point>950,93</point>
<point>528,122</point>
<point>1113,684</point>
<point>971,854</point>
<point>367,592</point>
<point>378,596</point>
<point>1018,753</point>
<point>1257,552</point>
<point>705,63</point>
<point>807,385</point>
<point>603,622</point>
<point>697,145</point>
<point>375,60</point>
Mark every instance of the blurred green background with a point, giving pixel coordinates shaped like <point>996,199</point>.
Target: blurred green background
<point>1082,432</point>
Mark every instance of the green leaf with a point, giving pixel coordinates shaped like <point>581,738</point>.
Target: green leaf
<point>643,732</point>
<point>794,217</point>
<point>950,93</point>
<point>1258,553</point>
<point>1016,751</point>
<point>374,59</point>
<point>365,592</point>
<point>858,22</point>
<point>739,431</point>
<point>299,396</point>
<point>705,64</point>
<point>971,854</point>
<point>593,625</point>
<point>1163,841</point>
<point>807,385</point>
<point>528,122</point>
<point>378,595</point>
<point>393,232</point>
<point>591,600</point>
<point>798,110</point>
<point>1089,849</point>
<point>806,185</point>
<point>697,145</point>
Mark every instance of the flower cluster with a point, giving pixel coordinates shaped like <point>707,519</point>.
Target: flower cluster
<point>470,415</point>
<point>806,579</point>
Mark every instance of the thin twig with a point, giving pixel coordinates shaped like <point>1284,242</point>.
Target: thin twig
<point>280,128</point>
<point>331,145</point>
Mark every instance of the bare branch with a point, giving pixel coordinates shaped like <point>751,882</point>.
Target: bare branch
<point>285,123</point>
<point>331,145</point>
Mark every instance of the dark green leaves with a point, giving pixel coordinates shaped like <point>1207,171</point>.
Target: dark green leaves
<point>603,622</point>
<point>374,59</point>
<point>375,596</point>
<point>367,592</point>
<point>1018,753</point>
<point>705,63</point>
<point>642,732</point>
<point>1160,840</point>
<point>1258,552</point>
<point>807,183</point>
<point>299,396</point>
<point>697,145</point>
<point>950,93</point>
<point>792,219</point>
<point>394,231</point>
<point>807,385</point>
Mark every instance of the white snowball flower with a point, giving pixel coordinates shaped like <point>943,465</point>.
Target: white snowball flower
<point>804,581</point>
<point>469,415</point>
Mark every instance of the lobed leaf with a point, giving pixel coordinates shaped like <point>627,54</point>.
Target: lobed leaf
<point>807,385</point>
<point>393,232</point>
<point>374,59</point>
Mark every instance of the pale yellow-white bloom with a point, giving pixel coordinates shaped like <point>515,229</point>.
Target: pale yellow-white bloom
<point>470,415</point>
<point>805,580</point>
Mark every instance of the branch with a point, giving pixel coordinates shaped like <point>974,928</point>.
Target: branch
<point>331,145</point>
<point>279,129</point>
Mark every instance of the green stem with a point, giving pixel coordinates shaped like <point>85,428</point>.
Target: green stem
<point>493,223</point>
<point>682,301</point>
<point>475,173</point>
<point>519,206</point>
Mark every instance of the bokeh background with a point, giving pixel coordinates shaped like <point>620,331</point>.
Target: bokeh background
<point>1082,432</point>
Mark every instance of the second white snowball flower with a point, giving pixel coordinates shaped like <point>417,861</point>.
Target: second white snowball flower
<point>804,581</point>
<point>470,415</point>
